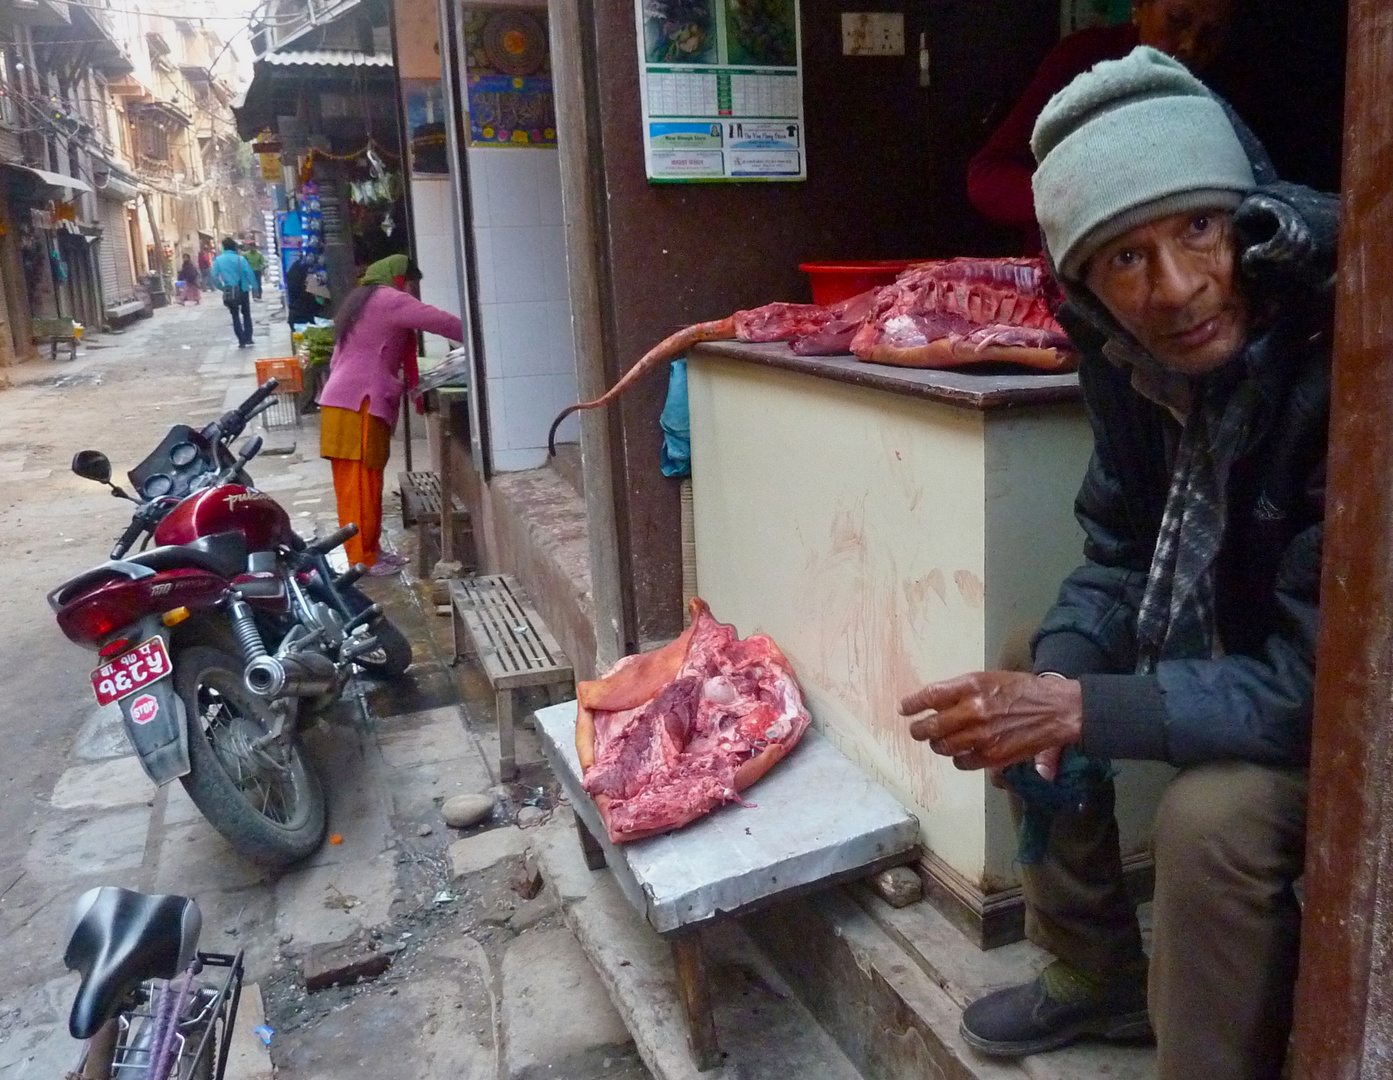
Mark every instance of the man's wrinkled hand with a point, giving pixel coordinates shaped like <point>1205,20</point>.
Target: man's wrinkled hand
<point>991,719</point>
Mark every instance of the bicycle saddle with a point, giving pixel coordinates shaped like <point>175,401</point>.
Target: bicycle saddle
<point>121,938</point>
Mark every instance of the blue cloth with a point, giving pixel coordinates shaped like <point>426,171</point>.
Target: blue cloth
<point>676,424</point>
<point>231,268</point>
<point>1041,799</point>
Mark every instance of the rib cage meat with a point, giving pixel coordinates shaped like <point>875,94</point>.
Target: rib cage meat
<point>960,309</point>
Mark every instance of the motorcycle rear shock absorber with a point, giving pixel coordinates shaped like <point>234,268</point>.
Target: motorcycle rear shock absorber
<point>244,626</point>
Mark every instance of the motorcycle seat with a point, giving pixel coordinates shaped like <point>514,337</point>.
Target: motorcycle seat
<point>224,554</point>
<point>121,938</point>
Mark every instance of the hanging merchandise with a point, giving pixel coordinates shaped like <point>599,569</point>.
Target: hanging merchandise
<point>58,265</point>
<point>312,230</point>
<point>385,188</point>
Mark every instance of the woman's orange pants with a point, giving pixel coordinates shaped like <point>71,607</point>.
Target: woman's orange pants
<point>358,491</point>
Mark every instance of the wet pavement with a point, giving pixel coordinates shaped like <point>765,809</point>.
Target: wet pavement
<point>77,811</point>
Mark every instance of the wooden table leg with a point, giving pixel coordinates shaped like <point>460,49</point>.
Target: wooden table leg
<point>696,999</point>
<point>590,847</point>
<point>507,755</point>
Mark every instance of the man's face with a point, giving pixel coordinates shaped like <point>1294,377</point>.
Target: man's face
<point>1192,31</point>
<point>1170,283</point>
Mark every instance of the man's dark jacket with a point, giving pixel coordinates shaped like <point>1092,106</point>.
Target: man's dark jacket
<point>1250,701</point>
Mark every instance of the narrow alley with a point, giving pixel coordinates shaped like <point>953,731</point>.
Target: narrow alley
<point>472,957</point>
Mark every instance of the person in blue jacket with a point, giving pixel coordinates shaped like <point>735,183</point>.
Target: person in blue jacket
<point>235,277</point>
<point>1199,296</point>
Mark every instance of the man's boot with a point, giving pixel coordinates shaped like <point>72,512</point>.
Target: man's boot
<point>1061,1006</point>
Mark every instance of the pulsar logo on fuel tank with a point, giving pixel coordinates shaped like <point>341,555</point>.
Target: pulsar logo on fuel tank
<point>245,496</point>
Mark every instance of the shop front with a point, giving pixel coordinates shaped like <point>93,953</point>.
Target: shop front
<point>53,238</point>
<point>332,115</point>
<point>887,528</point>
<point>116,196</point>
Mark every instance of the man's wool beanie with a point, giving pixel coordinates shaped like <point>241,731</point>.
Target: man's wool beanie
<point>1128,142</point>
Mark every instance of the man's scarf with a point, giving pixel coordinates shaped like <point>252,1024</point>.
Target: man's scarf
<point>1176,617</point>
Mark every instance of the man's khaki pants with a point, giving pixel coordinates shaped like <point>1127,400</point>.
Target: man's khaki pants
<point>1230,839</point>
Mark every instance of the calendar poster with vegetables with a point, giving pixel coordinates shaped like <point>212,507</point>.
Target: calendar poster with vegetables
<point>721,84</point>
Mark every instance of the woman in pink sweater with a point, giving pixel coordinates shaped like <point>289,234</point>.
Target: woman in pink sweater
<point>374,363</point>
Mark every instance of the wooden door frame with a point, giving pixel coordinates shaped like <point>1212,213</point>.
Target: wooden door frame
<point>1344,993</point>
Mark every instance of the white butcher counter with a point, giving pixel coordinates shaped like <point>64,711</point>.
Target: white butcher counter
<point>889,527</point>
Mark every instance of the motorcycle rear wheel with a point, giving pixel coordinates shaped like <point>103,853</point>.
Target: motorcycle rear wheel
<point>393,653</point>
<point>268,804</point>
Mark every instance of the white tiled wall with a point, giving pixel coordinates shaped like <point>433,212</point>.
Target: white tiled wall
<point>523,299</point>
<point>433,205</point>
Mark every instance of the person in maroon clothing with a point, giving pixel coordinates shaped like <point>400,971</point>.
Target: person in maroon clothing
<point>998,176</point>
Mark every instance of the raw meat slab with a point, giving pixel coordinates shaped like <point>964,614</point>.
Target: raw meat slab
<point>817,820</point>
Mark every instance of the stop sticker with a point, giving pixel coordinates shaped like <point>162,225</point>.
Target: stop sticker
<point>144,709</point>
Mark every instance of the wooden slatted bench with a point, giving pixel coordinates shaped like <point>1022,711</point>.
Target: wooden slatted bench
<point>494,619</point>
<point>420,506</point>
<point>420,498</point>
<point>56,332</point>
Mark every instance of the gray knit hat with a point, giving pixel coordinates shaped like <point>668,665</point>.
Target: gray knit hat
<point>1127,142</point>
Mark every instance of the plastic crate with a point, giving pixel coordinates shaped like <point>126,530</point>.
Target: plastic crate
<point>284,369</point>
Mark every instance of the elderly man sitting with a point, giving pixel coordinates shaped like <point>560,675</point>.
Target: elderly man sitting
<point>1199,295</point>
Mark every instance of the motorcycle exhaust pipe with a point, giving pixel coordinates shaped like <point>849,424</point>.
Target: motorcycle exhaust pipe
<point>305,675</point>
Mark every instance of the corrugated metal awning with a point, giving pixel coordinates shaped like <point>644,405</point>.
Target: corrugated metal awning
<point>325,58</point>
<point>52,179</point>
<point>116,184</point>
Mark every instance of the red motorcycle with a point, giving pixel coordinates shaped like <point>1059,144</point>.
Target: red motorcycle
<point>227,636</point>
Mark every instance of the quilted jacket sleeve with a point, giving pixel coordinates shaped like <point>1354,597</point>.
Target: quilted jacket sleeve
<point>1252,707</point>
<point>1092,626</point>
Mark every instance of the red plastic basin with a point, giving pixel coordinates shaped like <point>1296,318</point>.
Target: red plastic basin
<point>836,281</point>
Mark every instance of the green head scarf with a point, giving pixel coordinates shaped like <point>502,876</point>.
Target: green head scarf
<point>385,271</point>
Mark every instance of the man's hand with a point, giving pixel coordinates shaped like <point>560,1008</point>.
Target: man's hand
<point>992,719</point>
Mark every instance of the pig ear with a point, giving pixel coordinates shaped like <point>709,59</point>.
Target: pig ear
<point>585,737</point>
<point>637,679</point>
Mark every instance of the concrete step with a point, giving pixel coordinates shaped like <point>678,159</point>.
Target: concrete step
<point>764,1031</point>
<point>540,535</point>
<point>886,987</point>
<point>566,464</point>
<point>557,1019</point>
<point>890,987</point>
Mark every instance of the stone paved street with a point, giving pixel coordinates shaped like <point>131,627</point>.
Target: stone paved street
<point>77,811</point>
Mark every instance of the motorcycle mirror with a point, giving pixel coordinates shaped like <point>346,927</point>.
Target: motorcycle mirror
<point>92,465</point>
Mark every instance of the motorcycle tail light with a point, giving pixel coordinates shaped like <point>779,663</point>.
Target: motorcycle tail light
<point>116,645</point>
<point>91,623</point>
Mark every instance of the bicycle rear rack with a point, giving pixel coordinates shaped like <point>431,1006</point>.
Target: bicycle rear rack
<point>208,1004</point>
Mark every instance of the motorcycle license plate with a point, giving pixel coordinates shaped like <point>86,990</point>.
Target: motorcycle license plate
<point>130,671</point>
